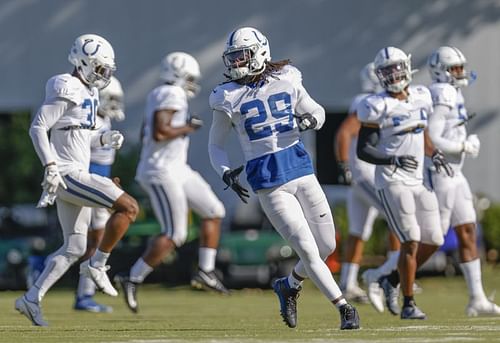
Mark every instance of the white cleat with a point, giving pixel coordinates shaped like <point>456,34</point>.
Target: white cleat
<point>31,310</point>
<point>375,293</point>
<point>100,277</point>
<point>485,307</point>
<point>356,294</point>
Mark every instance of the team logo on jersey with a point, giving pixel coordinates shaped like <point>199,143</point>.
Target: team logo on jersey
<point>84,46</point>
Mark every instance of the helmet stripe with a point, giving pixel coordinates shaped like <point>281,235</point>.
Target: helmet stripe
<point>386,50</point>
<point>231,38</point>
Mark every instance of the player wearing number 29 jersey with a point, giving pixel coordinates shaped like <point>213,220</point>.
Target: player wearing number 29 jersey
<point>267,106</point>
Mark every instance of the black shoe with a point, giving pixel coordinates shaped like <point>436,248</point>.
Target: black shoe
<point>129,290</point>
<point>349,318</point>
<point>288,301</point>
<point>208,281</point>
<point>391,295</point>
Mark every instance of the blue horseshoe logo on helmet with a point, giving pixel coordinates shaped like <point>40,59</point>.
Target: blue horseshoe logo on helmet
<point>257,36</point>
<point>87,41</point>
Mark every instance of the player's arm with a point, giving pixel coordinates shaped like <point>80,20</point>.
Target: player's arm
<point>436,129</point>
<point>368,138</point>
<point>309,113</point>
<point>347,131</point>
<point>162,128</point>
<point>48,114</point>
<point>219,131</point>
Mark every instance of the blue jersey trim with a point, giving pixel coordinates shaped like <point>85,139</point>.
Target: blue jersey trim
<point>279,168</point>
<point>100,169</point>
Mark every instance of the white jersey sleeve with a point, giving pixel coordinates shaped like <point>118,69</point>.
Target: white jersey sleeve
<point>443,94</point>
<point>218,100</point>
<point>64,86</point>
<point>219,131</point>
<point>172,99</point>
<point>371,109</point>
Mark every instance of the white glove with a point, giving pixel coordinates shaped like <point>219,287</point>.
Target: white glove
<point>46,199</point>
<point>112,138</point>
<point>52,179</point>
<point>472,145</point>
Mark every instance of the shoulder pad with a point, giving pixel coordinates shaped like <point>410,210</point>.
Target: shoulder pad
<point>64,86</point>
<point>169,97</point>
<point>217,98</point>
<point>370,108</point>
<point>443,94</point>
<point>291,73</point>
<point>356,100</point>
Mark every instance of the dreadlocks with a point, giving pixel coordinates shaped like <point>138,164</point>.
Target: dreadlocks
<point>270,69</point>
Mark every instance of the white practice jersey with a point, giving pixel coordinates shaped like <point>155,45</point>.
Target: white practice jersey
<point>102,155</point>
<point>263,118</point>
<point>360,169</point>
<point>156,157</point>
<point>401,125</point>
<point>454,130</point>
<point>71,135</point>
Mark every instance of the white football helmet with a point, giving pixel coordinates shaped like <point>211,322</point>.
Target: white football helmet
<point>393,69</point>
<point>94,60</point>
<point>369,80</point>
<point>111,100</point>
<point>181,69</point>
<point>247,51</point>
<point>442,60</point>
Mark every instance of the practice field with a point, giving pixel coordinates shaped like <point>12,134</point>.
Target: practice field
<point>181,315</point>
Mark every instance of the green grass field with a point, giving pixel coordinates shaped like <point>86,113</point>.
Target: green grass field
<point>181,315</point>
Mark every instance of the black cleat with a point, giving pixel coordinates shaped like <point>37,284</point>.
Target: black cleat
<point>412,312</point>
<point>288,301</point>
<point>349,318</point>
<point>129,290</point>
<point>208,281</point>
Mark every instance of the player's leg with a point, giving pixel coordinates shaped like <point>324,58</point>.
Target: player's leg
<point>74,222</point>
<point>97,191</point>
<point>86,287</point>
<point>170,208</point>
<point>400,209</point>
<point>361,218</point>
<point>205,203</point>
<point>287,217</point>
<point>463,220</point>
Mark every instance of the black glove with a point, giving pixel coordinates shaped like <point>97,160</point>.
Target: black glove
<point>232,179</point>
<point>405,162</point>
<point>440,162</point>
<point>306,121</point>
<point>345,174</point>
<point>195,122</point>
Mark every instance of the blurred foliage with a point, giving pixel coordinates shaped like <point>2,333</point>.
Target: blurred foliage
<point>125,166</point>
<point>376,245</point>
<point>22,172</point>
<point>491,226</point>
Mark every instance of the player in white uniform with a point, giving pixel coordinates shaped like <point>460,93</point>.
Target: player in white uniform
<point>101,160</point>
<point>363,203</point>
<point>266,104</point>
<point>392,137</point>
<point>173,187</point>
<point>69,112</point>
<point>447,130</point>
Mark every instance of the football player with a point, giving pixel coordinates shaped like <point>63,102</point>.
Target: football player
<point>363,204</point>
<point>392,138</point>
<point>447,131</point>
<point>267,105</point>
<point>69,112</point>
<point>101,160</point>
<point>173,187</point>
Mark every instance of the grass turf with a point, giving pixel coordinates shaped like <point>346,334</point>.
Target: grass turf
<point>182,315</point>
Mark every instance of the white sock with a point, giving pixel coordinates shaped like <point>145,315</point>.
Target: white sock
<point>390,265</point>
<point>340,303</point>
<point>54,269</point>
<point>472,275</point>
<point>139,271</point>
<point>86,287</point>
<point>206,259</point>
<point>99,259</point>
<point>293,282</point>
<point>351,280</point>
